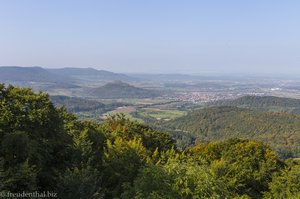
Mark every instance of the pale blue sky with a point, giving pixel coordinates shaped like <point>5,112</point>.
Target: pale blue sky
<point>157,36</point>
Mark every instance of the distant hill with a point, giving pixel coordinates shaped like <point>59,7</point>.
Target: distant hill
<point>65,75</point>
<point>35,77</point>
<point>30,74</point>
<point>279,130</point>
<point>264,103</point>
<point>120,89</point>
<point>91,73</point>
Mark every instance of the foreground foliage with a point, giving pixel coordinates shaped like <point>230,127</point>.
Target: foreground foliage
<point>46,148</point>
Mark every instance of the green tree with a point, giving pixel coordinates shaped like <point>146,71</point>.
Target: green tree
<point>286,184</point>
<point>245,166</point>
<point>83,179</point>
<point>119,126</point>
<point>32,135</point>
<point>123,159</point>
<point>177,176</point>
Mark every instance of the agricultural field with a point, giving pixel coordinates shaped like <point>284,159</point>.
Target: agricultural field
<point>144,110</point>
<point>126,110</point>
<point>161,114</point>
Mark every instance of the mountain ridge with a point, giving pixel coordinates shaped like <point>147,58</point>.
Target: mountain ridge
<point>92,73</point>
<point>58,75</point>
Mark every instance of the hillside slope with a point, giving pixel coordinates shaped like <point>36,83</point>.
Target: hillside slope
<point>279,130</point>
<point>264,103</point>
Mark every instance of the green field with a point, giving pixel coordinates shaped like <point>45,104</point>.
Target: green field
<point>161,114</point>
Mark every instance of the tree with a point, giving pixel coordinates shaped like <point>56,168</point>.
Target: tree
<point>123,159</point>
<point>83,178</point>
<point>245,166</point>
<point>286,184</point>
<point>34,145</point>
<point>177,176</point>
<point>119,126</point>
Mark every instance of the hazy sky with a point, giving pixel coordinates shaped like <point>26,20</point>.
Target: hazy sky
<point>156,36</point>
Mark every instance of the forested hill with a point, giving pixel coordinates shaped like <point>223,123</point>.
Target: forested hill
<point>280,130</point>
<point>118,89</point>
<point>80,106</point>
<point>264,103</point>
<point>44,148</point>
<point>31,74</point>
<point>64,76</point>
<point>91,73</point>
<point>75,104</point>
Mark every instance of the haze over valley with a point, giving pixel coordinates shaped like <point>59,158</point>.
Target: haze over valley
<point>160,99</point>
<point>150,99</point>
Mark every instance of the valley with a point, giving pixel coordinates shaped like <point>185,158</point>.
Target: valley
<point>150,99</point>
<point>191,108</point>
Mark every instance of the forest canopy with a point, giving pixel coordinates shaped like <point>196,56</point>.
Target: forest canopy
<point>280,130</point>
<point>46,148</point>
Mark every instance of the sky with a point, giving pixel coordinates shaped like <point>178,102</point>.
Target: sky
<point>153,36</point>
